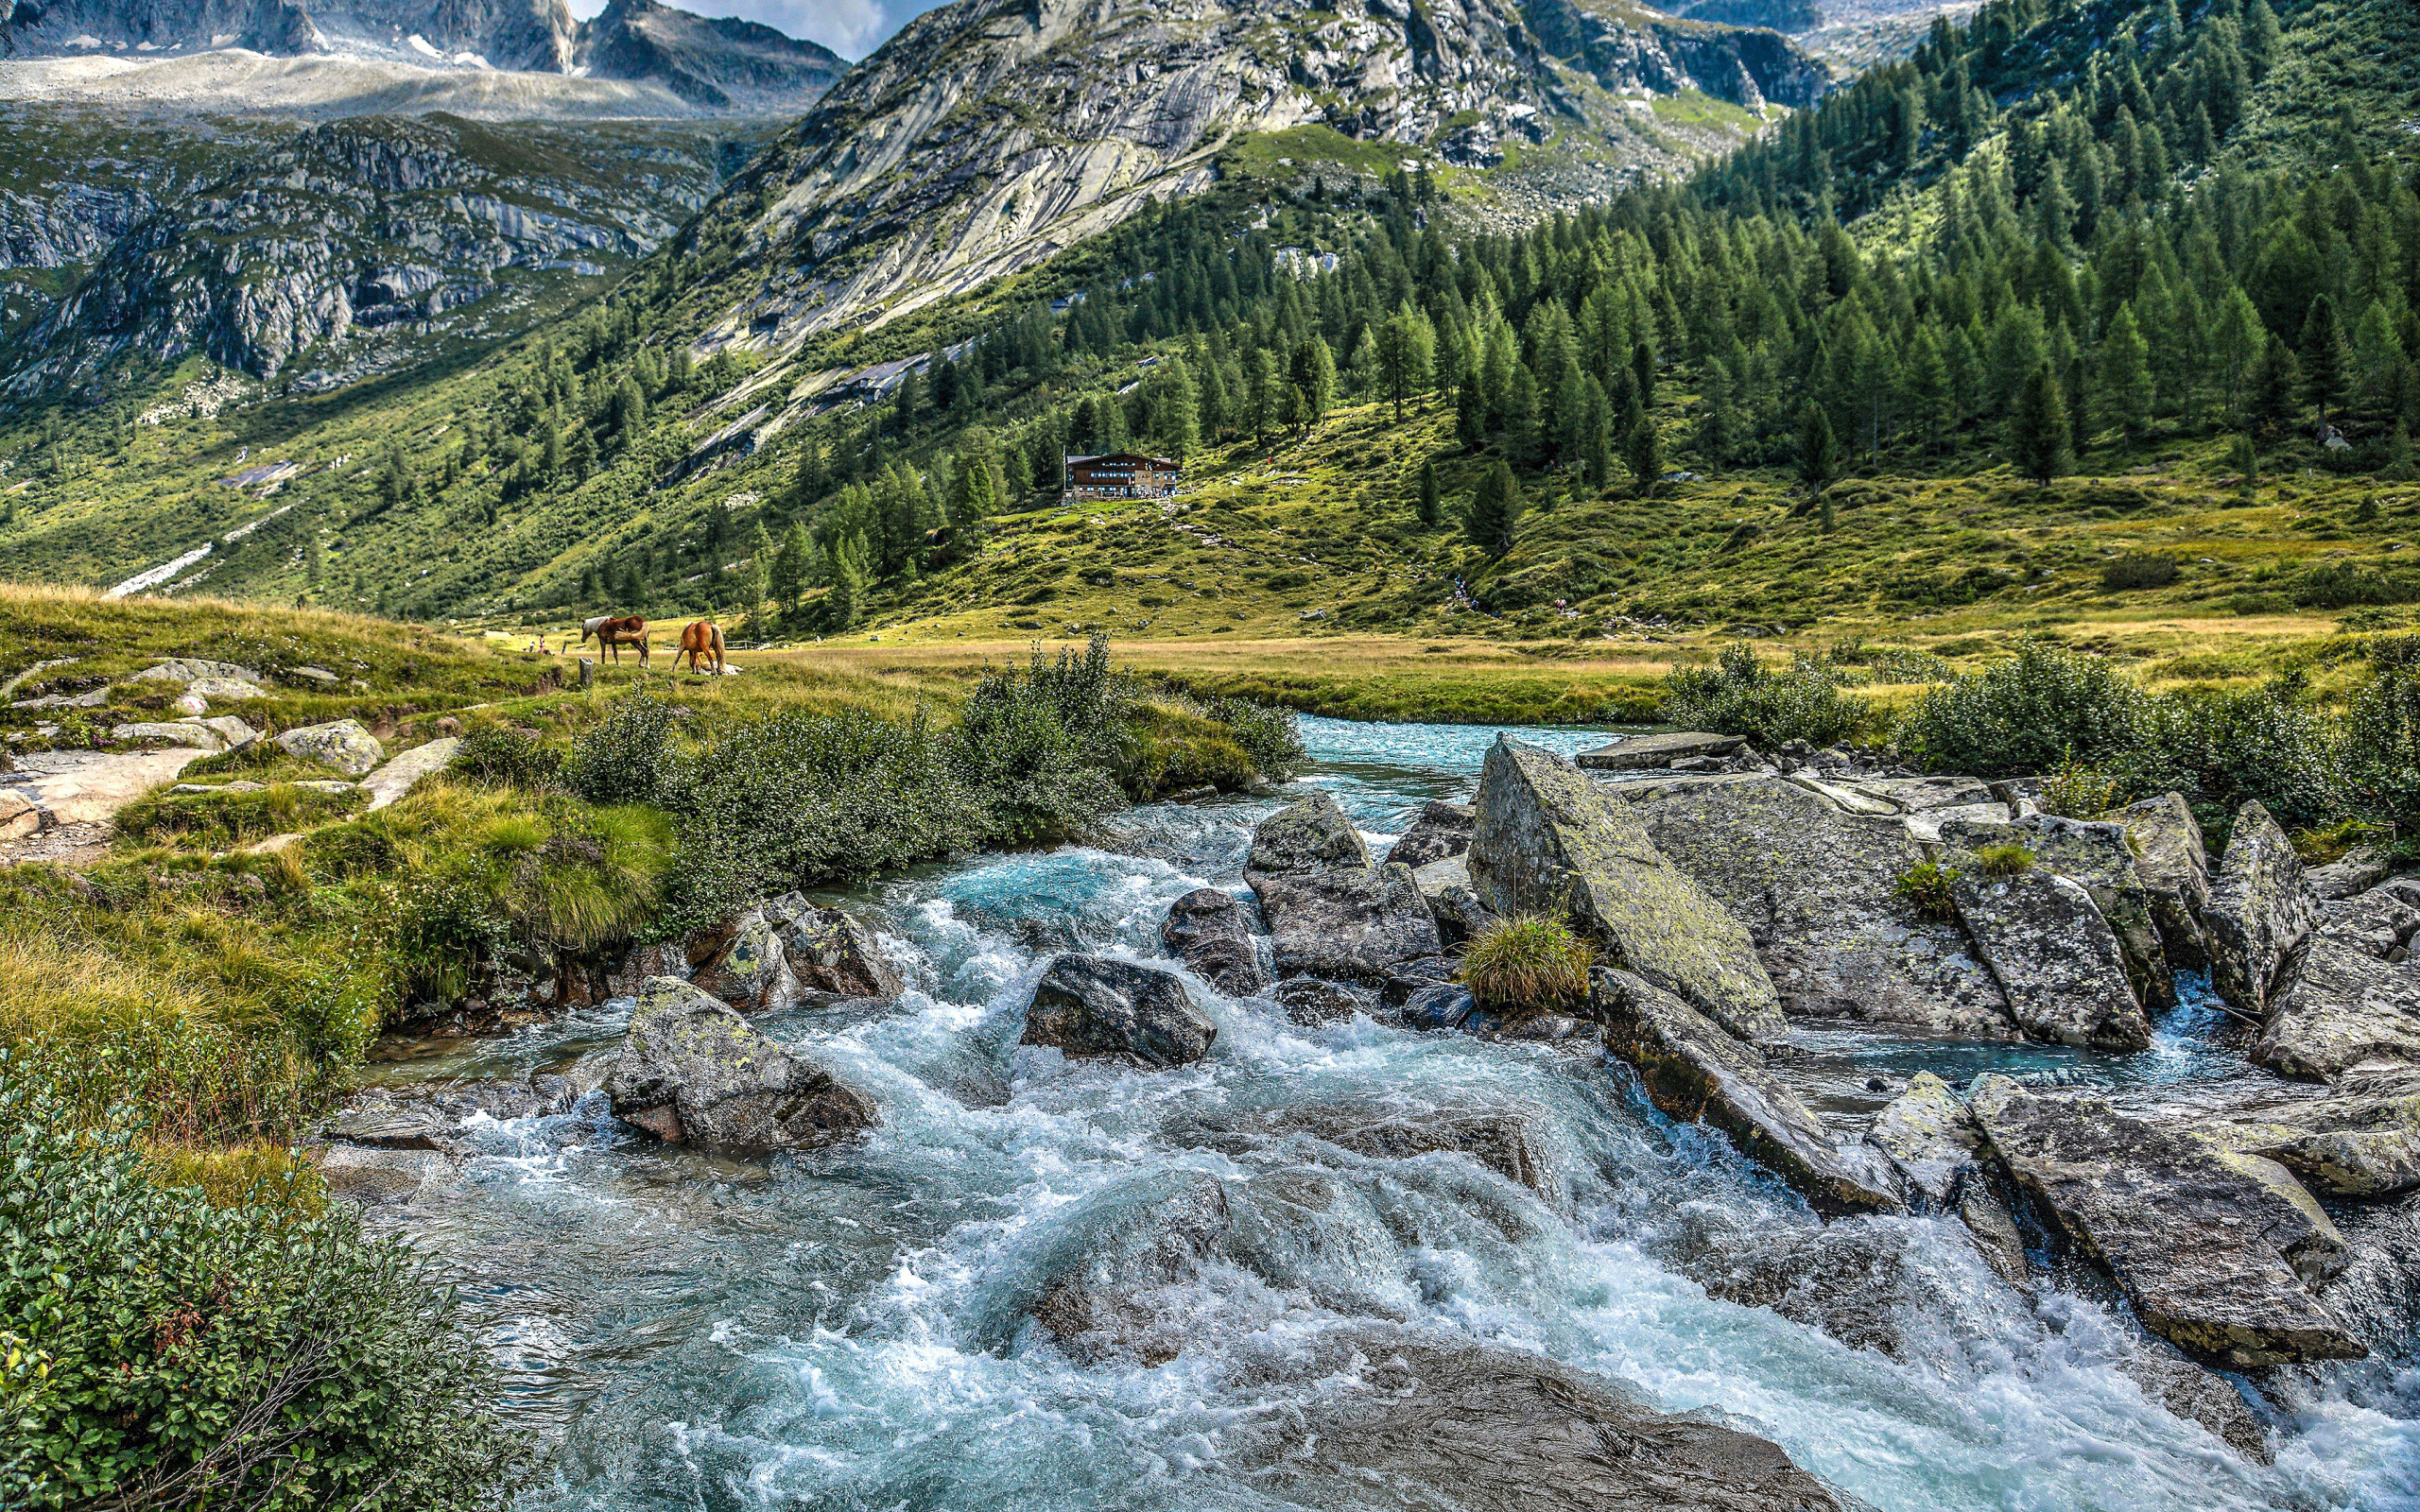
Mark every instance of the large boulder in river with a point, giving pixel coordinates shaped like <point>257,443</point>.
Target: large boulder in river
<point>2175,872</point>
<point>1691,1069</point>
<point>2259,910</point>
<point>2056,958</point>
<point>1311,836</point>
<point>1937,1147</point>
<point>693,1072</point>
<point>2361,1141</point>
<point>1093,1005</point>
<point>2213,1248</point>
<point>751,970</point>
<point>1347,924</point>
<point>2335,1006</point>
<point>1432,1420</point>
<point>1816,886</point>
<point>830,955</point>
<point>1104,1262</point>
<point>2100,858</point>
<point>1550,841</point>
<point>1452,900</point>
<point>1443,830</point>
<point>344,744</point>
<point>1206,930</point>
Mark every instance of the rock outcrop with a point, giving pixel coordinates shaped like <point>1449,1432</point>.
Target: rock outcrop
<point>1644,754</point>
<point>1816,884</point>
<point>2361,1141</point>
<point>2213,1250</point>
<point>2335,1006</point>
<point>1937,1147</point>
<point>751,970</point>
<point>830,954</point>
<point>1311,834</point>
<point>1452,900</point>
<point>343,745</point>
<point>2056,960</point>
<point>1443,830</point>
<point>403,773</point>
<point>1347,924</point>
<point>1692,1068</point>
<point>2099,856</point>
<point>1550,841</point>
<point>1508,1141</point>
<point>693,1072</point>
<point>1206,930</point>
<point>2175,872</point>
<point>2259,910</point>
<point>1090,1005</point>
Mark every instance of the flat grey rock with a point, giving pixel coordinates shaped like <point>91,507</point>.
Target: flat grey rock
<point>2338,1006</point>
<point>403,773</point>
<point>345,744</point>
<point>1641,753</point>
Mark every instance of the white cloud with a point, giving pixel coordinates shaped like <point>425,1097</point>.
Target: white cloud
<point>850,28</point>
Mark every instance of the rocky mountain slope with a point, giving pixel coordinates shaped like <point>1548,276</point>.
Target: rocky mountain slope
<point>709,64</point>
<point>990,133</point>
<point>358,247</point>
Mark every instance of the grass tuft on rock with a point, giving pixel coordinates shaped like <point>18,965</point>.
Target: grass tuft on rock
<point>1528,964</point>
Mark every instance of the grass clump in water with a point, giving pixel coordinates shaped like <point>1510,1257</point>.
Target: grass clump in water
<point>1529,963</point>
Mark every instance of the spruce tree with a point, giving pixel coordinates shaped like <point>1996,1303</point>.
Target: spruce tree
<point>2326,361</point>
<point>2037,429</point>
<point>1819,450</point>
<point>1428,500</point>
<point>2125,377</point>
<point>1643,453</point>
<point>2246,462</point>
<point>1495,511</point>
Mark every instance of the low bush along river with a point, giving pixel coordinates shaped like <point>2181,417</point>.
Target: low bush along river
<point>849,1329</point>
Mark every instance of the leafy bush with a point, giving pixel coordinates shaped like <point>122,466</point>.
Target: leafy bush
<point>2222,749</point>
<point>2380,755</point>
<point>2344,583</point>
<point>1529,963</point>
<point>1270,736</point>
<point>2074,791</point>
<point>621,758</point>
<point>1040,743</point>
<point>502,755</point>
<point>2138,570</point>
<point>159,1351</point>
<point>2026,716</point>
<point>1927,886</point>
<point>1740,696</point>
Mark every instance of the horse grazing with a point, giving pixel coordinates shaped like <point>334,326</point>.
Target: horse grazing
<point>612,633</point>
<point>701,638</point>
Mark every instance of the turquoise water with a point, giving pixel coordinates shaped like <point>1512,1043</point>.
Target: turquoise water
<point>848,1330</point>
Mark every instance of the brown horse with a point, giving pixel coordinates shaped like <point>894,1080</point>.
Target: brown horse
<point>613,634</point>
<point>703,637</point>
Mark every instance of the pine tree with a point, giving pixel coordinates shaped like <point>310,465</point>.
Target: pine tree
<point>2269,405</point>
<point>1494,512</point>
<point>846,600</point>
<point>788,578</point>
<point>1430,507</point>
<point>2326,361</point>
<point>2037,429</point>
<point>2246,462</point>
<point>2125,377</point>
<point>1642,454</point>
<point>1819,450</point>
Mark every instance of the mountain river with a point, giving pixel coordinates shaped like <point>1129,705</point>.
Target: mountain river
<point>849,1329</point>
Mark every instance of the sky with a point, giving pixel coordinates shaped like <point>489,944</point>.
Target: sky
<point>850,28</point>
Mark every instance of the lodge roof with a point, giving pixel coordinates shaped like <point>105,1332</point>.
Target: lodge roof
<point>1165,464</point>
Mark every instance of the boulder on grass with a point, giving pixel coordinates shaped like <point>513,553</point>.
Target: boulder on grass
<point>1347,924</point>
<point>2212,1248</point>
<point>1207,930</point>
<point>1309,836</point>
<point>1550,841</point>
<point>1443,830</point>
<point>1816,886</point>
<point>1692,1068</point>
<point>1093,1005</point>
<point>830,954</point>
<point>2057,960</point>
<point>2338,1006</point>
<point>693,1072</point>
<point>341,744</point>
<point>2259,910</point>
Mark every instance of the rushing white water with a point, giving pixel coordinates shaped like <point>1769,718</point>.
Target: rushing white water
<point>849,1329</point>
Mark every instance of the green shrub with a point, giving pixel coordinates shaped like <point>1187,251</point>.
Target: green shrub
<point>1740,696</point>
<point>2380,755</point>
<point>1927,886</point>
<point>2008,859</point>
<point>2344,583</point>
<point>2074,791</point>
<point>621,759</point>
<point>514,758</point>
<point>2222,749</point>
<point>1528,963</point>
<point>1270,736</point>
<point>159,1351</point>
<point>1040,743</point>
<point>2138,570</point>
<point>2026,716</point>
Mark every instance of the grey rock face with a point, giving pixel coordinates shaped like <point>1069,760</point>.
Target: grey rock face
<point>1347,924</point>
<point>341,744</point>
<point>1642,753</point>
<point>2357,870</point>
<point>1491,1430</point>
<point>2213,1253</point>
<point>149,734</point>
<point>752,971</point>
<point>2056,958</point>
<point>1550,841</point>
<point>405,772</point>
<point>2175,872</point>
<point>2337,1006</point>
<point>2363,1142</point>
<point>830,954</point>
<point>1509,1141</point>
<point>1452,900</point>
<point>1311,836</point>
<point>1443,830</point>
<point>2098,855</point>
<point>1144,1234</point>
<point>1206,930</point>
<point>1091,1006</point>
<point>1930,1136</point>
<point>1815,885</point>
<point>1692,1068</point>
<point>693,1072</point>
<point>2259,910</point>
<point>1442,1007</point>
<point>2376,923</point>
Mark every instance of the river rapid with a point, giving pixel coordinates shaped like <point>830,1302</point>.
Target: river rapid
<point>848,1329</point>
